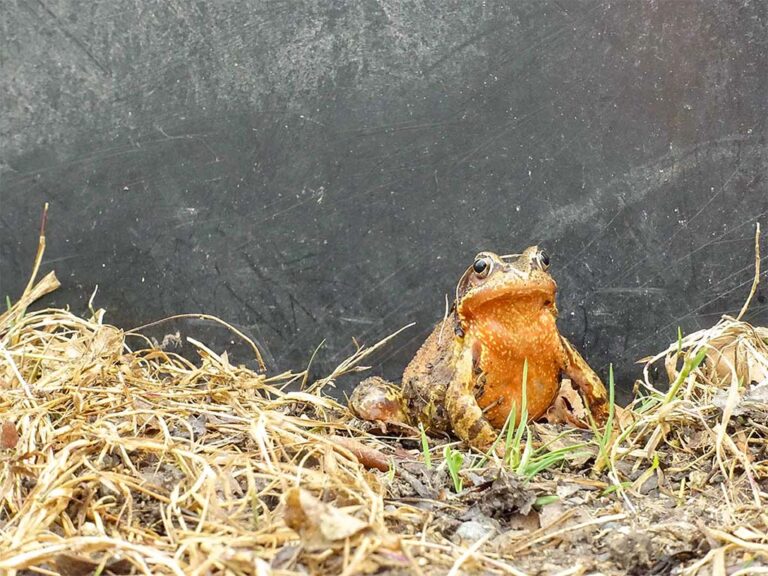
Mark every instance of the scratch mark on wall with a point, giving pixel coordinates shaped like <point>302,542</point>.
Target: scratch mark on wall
<point>74,39</point>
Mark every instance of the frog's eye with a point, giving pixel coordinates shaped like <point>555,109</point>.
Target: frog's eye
<point>543,259</point>
<point>482,267</point>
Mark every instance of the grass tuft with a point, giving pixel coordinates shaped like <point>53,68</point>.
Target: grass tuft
<point>454,460</point>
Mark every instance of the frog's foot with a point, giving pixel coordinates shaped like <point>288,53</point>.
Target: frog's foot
<point>377,400</point>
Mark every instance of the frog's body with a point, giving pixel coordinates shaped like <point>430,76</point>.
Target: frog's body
<point>468,375</point>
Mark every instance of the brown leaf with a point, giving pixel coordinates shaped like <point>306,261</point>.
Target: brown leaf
<point>568,407</point>
<point>317,523</point>
<point>8,435</point>
<point>525,522</point>
<point>744,354</point>
<point>670,364</point>
<point>551,513</point>
<point>72,565</point>
<point>368,457</point>
<point>623,417</point>
<point>107,342</point>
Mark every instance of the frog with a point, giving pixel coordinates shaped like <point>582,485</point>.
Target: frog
<point>467,378</point>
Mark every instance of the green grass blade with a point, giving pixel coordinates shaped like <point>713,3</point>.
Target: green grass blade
<point>425,447</point>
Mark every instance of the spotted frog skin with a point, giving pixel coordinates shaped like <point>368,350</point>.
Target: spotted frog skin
<point>468,374</point>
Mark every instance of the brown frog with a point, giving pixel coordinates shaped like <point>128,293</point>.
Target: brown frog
<point>468,375</point>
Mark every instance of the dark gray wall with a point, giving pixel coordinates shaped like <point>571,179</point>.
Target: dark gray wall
<point>315,170</point>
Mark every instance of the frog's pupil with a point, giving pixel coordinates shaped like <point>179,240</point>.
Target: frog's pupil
<point>479,266</point>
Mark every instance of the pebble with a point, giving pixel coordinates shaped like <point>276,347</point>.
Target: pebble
<point>471,531</point>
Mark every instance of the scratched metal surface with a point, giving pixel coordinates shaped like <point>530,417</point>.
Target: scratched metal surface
<point>314,170</point>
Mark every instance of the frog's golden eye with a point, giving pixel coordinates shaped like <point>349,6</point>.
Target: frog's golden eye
<point>482,267</point>
<point>542,258</point>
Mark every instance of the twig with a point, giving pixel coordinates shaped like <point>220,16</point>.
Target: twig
<point>756,279</point>
<point>40,250</point>
<point>469,552</point>
<point>15,370</point>
<point>555,534</point>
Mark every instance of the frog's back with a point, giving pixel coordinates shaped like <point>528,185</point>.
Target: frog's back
<point>426,379</point>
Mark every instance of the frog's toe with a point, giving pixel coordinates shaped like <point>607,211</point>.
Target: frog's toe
<point>377,400</point>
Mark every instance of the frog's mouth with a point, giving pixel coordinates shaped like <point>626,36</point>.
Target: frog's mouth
<point>544,291</point>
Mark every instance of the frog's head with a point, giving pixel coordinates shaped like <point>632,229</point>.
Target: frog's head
<point>516,278</point>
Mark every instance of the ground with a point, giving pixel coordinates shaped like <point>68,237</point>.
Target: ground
<point>119,456</point>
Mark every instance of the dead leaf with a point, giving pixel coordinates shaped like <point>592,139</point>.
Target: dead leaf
<point>568,407</point>
<point>670,364</point>
<point>72,565</point>
<point>745,354</point>
<point>107,342</point>
<point>8,436</point>
<point>555,439</point>
<point>623,417</point>
<point>746,533</point>
<point>551,513</point>
<point>508,495</point>
<point>758,394</point>
<point>754,401</point>
<point>368,457</point>
<point>565,489</point>
<point>317,523</point>
<point>524,522</point>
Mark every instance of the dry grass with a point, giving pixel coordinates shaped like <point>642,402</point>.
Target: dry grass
<point>117,456</point>
<point>174,467</point>
<point>704,442</point>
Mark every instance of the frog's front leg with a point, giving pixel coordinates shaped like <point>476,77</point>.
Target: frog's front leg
<point>585,379</point>
<point>467,419</point>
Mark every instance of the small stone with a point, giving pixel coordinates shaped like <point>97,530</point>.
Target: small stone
<point>470,531</point>
<point>650,485</point>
